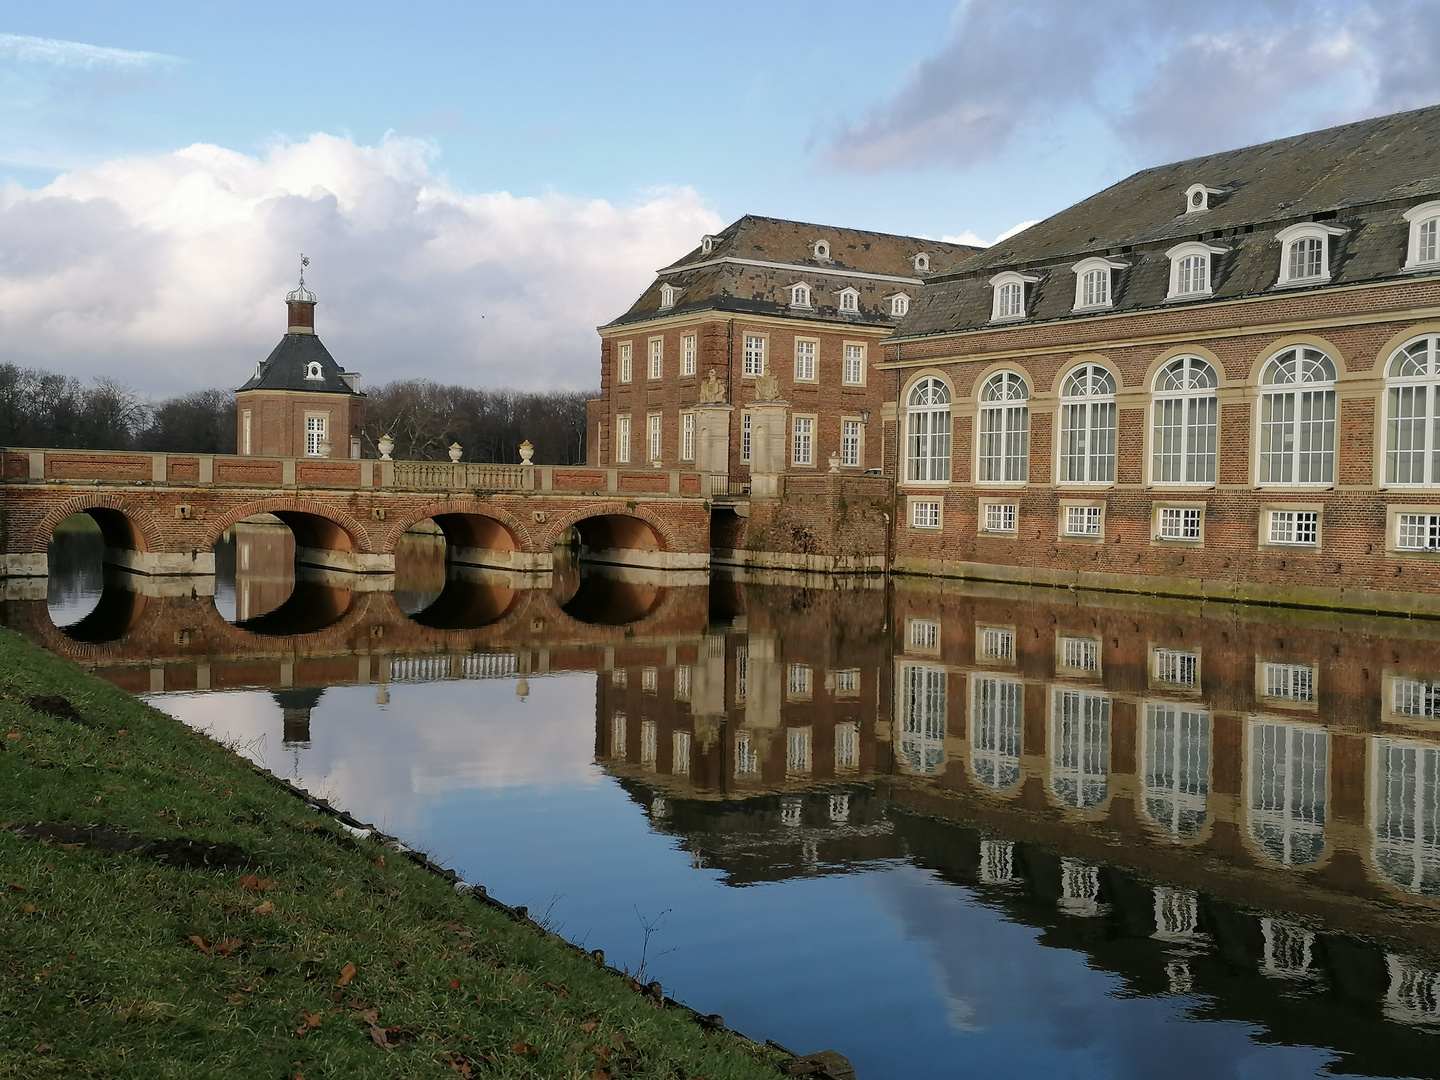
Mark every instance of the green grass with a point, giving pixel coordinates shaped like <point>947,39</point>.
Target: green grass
<point>100,975</point>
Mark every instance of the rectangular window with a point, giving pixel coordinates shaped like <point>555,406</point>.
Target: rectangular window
<point>850,443</point>
<point>1185,436</point>
<point>845,746</point>
<point>1192,275</point>
<point>923,705</point>
<point>803,443</point>
<point>657,358</point>
<point>1289,682</point>
<point>1087,442</point>
<point>314,435</point>
<point>1417,532</point>
<point>805,361</point>
<point>1095,288</point>
<point>745,436</point>
<point>648,743</point>
<point>742,673</point>
<point>1301,527</point>
<point>746,762</point>
<point>653,424</point>
<point>924,634</point>
<point>997,643</point>
<point>1080,653</point>
<point>682,682</point>
<point>754,355</point>
<point>680,753</point>
<point>854,371</point>
<point>924,514</point>
<point>797,750</point>
<point>625,362</point>
<point>622,438</point>
<point>799,684</point>
<point>1083,520</point>
<point>1412,697</point>
<point>1426,248</point>
<point>1005,444</point>
<point>847,682</point>
<point>1175,667</point>
<point>649,680</point>
<point>245,429</point>
<point>1305,258</point>
<point>1297,437</point>
<point>1179,523</point>
<point>620,677</point>
<point>687,437</point>
<point>687,355</point>
<point>1000,517</point>
<point>617,736</point>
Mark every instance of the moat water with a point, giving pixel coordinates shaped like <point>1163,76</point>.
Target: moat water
<point>947,830</point>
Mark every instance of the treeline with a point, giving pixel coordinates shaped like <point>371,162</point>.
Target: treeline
<point>42,409</point>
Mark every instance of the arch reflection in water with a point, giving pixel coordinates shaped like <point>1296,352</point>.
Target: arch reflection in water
<point>1080,757</point>
<point>1175,744</point>
<point>620,595</point>
<point>922,717</point>
<point>1287,790</point>
<point>997,709</point>
<point>271,595</point>
<point>1405,813</point>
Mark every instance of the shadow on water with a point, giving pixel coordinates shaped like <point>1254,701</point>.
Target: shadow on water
<point>259,588</point>
<point>613,596</point>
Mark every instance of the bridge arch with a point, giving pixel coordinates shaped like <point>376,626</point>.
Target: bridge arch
<point>122,527</point>
<point>469,523</point>
<point>617,525</point>
<point>318,527</point>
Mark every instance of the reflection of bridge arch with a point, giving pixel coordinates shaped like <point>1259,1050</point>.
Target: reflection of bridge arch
<point>316,524</point>
<point>122,528</point>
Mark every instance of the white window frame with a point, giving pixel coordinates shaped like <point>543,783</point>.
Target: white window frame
<point>1412,414</point>
<point>802,440</point>
<point>657,358</point>
<point>1305,395</point>
<point>317,431</point>
<point>996,514</point>
<point>926,513</point>
<point>1296,527</point>
<point>848,301</point>
<point>1082,521</point>
<point>687,436</point>
<point>1303,232</point>
<point>921,262</point>
<point>1169,668</point>
<point>245,432</point>
<point>626,360</point>
<point>1085,450</point>
<point>1190,440</point>
<point>1287,685</point>
<point>995,645</point>
<point>667,296</point>
<point>997,730</point>
<point>1002,426</point>
<point>928,432</point>
<point>746,431</point>
<point>1103,296</point>
<point>800,682</point>
<point>689,349</point>
<point>622,439</point>
<point>1416,255</point>
<point>1281,801</point>
<point>852,371</point>
<point>800,295</point>
<point>1004,305</point>
<point>655,436</point>
<point>923,691</point>
<point>1175,765</point>
<point>899,305</point>
<point>314,372</point>
<point>1199,205</point>
<point>1408,523</point>
<point>1079,654</point>
<point>922,636</point>
<point>1188,516</point>
<point>1079,746</point>
<point>852,442</point>
<point>1188,250</point>
<point>755,359</point>
<point>807,359</point>
<point>821,250</point>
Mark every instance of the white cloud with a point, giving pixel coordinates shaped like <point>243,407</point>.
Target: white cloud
<point>972,238</point>
<point>170,271</point>
<point>76,54</point>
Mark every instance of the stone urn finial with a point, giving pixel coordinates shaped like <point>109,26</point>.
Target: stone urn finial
<point>526,453</point>
<point>385,444</point>
<point>834,460</point>
<point>324,448</point>
<point>455,451</point>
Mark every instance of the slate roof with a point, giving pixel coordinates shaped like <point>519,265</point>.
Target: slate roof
<point>1360,176</point>
<point>708,282</point>
<point>284,368</point>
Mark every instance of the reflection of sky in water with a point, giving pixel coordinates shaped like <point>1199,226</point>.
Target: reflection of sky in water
<point>906,974</point>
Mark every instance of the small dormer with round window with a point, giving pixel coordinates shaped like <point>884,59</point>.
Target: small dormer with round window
<point>707,245</point>
<point>847,301</point>
<point>1198,197</point>
<point>800,295</point>
<point>1423,250</point>
<point>821,250</point>
<point>314,372</point>
<point>921,262</point>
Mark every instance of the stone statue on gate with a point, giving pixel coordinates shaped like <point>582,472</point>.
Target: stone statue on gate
<point>767,387</point>
<point>712,392</point>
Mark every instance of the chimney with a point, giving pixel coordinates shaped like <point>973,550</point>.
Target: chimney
<point>301,302</point>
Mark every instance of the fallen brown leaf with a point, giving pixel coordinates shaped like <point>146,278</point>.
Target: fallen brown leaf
<point>16,887</point>
<point>252,884</point>
<point>558,991</point>
<point>590,1025</point>
<point>380,863</point>
<point>13,735</point>
<point>200,943</point>
<point>524,1049</point>
<point>28,909</point>
<point>454,984</point>
<point>346,974</point>
<point>263,909</point>
<point>338,893</point>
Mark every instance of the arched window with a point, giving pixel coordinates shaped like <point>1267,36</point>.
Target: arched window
<point>800,296</point>
<point>922,263</point>
<point>1175,784</point>
<point>1087,426</point>
<point>821,251</point>
<point>1080,754</point>
<point>1007,300</point>
<point>1412,413</point>
<point>927,427</point>
<point>1297,418</point>
<point>1191,269</point>
<point>1305,251</point>
<point>1092,282</point>
<point>849,300</point>
<point>1004,429</point>
<point>1423,250</point>
<point>1186,423</point>
<point>1287,789</point>
<point>899,305</point>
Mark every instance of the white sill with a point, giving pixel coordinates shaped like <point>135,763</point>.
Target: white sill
<point>1005,319</point>
<point>1295,283</point>
<point>1181,297</point>
<point>1079,309</point>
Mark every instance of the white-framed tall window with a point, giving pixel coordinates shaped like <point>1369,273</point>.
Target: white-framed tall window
<point>850,443</point>
<point>754,359</point>
<point>1007,295</point>
<point>687,436</point>
<point>1185,431</point>
<point>799,680</point>
<point>1080,753</point>
<point>1191,269</point>
<point>1297,418</point>
<point>622,437</point>
<point>1405,813</point>
<point>626,358</point>
<point>649,743</point>
<point>1004,429</point>
<point>653,427</point>
<point>922,691</point>
<point>846,746</point>
<point>667,296</point>
<point>745,430</point>
<point>683,679</point>
<point>802,440</point>
<point>1305,253</point>
<point>1175,776</point>
<point>797,750</point>
<point>245,432</point>
<point>899,305</point>
<point>680,753</point>
<point>853,371</point>
<point>1423,250</point>
<point>805,359</point>
<point>688,349</point>
<point>314,434</point>
<point>1093,280</point>
<point>800,295</point>
<point>1286,793</point>
<point>618,745</point>
<point>657,358</point>
<point>1087,426</point>
<point>997,711</point>
<point>747,761</point>
<point>1412,414</point>
<point>927,432</point>
<point>849,301</point>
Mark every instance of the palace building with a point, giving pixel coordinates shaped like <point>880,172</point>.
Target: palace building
<point>1220,375</point>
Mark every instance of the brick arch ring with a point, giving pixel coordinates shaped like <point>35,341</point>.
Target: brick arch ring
<point>144,523</point>
<point>524,540</point>
<point>620,509</point>
<point>359,535</point>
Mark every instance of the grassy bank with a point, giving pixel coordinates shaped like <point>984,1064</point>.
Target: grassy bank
<point>166,911</point>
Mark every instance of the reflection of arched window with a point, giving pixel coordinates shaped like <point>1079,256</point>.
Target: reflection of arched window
<point>1297,418</point>
<point>1405,814</point>
<point>922,717</point>
<point>996,714</point>
<point>1080,754</point>
<point>1176,779</point>
<point>927,426</point>
<point>1412,413</point>
<point>1186,422</point>
<point>1087,426</point>
<point>1286,798</point>
<point>1004,429</point>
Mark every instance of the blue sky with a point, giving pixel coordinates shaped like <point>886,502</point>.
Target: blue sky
<point>533,164</point>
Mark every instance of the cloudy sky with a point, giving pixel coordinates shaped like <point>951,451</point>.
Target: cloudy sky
<point>479,185</point>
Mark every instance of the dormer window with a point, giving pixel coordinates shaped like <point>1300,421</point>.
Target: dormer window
<point>821,250</point>
<point>312,370</point>
<point>1423,251</point>
<point>1198,196</point>
<point>1190,269</point>
<point>899,305</point>
<point>1093,284</point>
<point>849,301</point>
<point>1007,303</point>
<point>922,263</point>
<point>1305,252</point>
<point>707,245</point>
<point>800,295</point>
<point>667,296</point>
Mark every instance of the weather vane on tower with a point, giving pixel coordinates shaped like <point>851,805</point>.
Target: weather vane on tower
<point>301,293</point>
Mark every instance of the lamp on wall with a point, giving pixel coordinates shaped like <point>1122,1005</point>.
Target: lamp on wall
<point>864,416</point>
